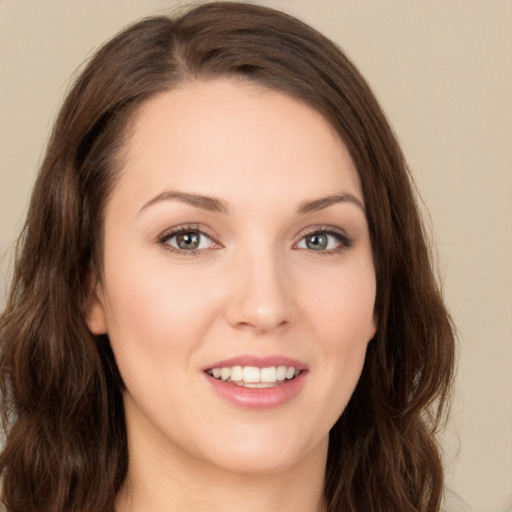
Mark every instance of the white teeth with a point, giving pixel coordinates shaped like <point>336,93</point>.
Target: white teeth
<point>254,377</point>
<point>290,372</point>
<point>259,385</point>
<point>251,374</point>
<point>268,374</point>
<point>225,373</point>
<point>237,373</point>
<point>281,373</point>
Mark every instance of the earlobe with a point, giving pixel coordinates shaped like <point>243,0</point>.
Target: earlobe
<point>95,317</point>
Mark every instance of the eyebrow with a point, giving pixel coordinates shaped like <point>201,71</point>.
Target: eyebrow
<point>323,202</point>
<point>199,201</point>
<point>218,205</point>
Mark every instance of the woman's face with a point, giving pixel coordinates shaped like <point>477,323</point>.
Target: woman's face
<point>238,284</point>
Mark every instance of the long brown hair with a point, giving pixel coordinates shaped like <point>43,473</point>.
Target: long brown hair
<point>65,438</point>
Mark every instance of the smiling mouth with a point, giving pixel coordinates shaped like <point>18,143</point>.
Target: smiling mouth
<point>254,377</point>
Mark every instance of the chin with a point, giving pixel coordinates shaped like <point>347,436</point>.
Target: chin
<point>259,454</point>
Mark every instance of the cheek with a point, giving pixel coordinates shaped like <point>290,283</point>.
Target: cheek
<point>344,322</point>
<point>346,308</point>
<point>156,311</point>
<point>153,326</point>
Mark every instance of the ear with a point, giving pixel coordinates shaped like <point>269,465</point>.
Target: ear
<point>95,316</point>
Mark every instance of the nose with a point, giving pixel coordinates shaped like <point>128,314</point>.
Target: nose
<point>261,298</point>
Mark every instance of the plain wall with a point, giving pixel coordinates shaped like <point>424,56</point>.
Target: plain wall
<point>442,70</point>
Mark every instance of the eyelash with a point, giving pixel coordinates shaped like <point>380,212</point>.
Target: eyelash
<point>343,240</point>
<point>164,238</point>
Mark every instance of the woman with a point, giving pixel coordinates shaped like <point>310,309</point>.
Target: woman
<point>223,296</point>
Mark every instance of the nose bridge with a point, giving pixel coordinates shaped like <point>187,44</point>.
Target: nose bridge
<point>260,298</point>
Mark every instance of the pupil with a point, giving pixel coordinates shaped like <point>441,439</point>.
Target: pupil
<point>316,242</point>
<point>188,241</point>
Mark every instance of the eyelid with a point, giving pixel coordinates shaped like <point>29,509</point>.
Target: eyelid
<point>163,237</point>
<point>345,240</point>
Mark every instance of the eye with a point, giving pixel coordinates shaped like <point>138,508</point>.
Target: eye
<point>323,240</point>
<point>186,240</point>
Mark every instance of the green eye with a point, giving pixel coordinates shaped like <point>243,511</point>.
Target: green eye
<point>322,240</point>
<point>317,242</point>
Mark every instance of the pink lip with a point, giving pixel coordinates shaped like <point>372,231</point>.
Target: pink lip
<point>258,398</point>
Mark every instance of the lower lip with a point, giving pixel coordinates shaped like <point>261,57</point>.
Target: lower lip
<point>258,398</point>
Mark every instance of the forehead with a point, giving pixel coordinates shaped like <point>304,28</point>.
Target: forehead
<point>234,139</point>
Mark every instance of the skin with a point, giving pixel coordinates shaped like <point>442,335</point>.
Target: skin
<point>255,286</point>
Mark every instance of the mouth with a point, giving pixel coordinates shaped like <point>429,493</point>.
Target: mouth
<point>253,376</point>
<point>252,382</point>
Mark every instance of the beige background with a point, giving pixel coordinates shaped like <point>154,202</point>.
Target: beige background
<point>442,69</point>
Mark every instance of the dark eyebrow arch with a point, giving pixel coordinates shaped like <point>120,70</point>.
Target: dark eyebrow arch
<point>199,201</point>
<point>319,204</point>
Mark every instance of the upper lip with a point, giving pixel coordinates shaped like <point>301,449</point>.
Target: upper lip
<point>258,362</point>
